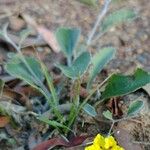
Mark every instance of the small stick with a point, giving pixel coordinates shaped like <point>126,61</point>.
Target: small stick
<point>98,21</point>
<point>141,142</point>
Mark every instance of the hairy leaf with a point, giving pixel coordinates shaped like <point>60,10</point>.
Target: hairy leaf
<point>67,39</point>
<point>135,107</point>
<point>90,110</point>
<point>116,18</point>
<point>119,84</point>
<point>107,114</point>
<point>17,68</point>
<point>78,67</point>
<point>99,60</point>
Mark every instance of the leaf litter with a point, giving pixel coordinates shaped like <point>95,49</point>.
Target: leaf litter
<point>22,109</point>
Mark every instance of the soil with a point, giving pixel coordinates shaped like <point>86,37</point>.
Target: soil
<point>130,39</point>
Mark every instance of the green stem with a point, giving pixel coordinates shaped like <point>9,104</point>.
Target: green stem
<point>43,88</point>
<point>92,92</point>
<point>69,61</point>
<point>53,92</point>
<point>112,125</point>
<point>72,119</point>
<point>76,102</point>
<point>101,15</point>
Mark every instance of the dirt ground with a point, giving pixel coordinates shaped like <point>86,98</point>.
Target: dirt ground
<point>130,39</point>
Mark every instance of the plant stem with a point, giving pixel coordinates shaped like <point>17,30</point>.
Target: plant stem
<point>112,125</point>
<point>76,102</point>
<point>93,91</point>
<point>69,61</point>
<point>85,101</point>
<point>53,92</point>
<point>73,115</point>
<point>98,21</point>
<point>117,120</point>
<point>125,118</point>
<point>43,88</point>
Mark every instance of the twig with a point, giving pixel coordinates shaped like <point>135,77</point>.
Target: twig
<point>6,15</point>
<point>98,21</point>
<point>29,113</point>
<point>135,120</point>
<point>141,142</point>
<point>38,41</point>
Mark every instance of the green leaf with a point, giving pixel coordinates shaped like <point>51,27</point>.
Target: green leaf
<point>90,110</point>
<point>116,18</point>
<point>78,67</point>
<point>107,114</point>
<point>89,2</point>
<point>1,87</point>
<point>99,60</point>
<point>17,68</point>
<point>119,84</point>
<point>135,107</point>
<point>53,123</point>
<point>67,39</point>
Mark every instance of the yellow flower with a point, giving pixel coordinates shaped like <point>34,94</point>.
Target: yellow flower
<point>101,143</point>
<point>98,143</point>
<point>99,140</point>
<point>110,142</point>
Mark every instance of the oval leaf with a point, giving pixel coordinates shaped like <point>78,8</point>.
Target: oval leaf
<point>99,60</point>
<point>67,39</point>
<point>135,107</point>
<point>78,67</point>
<point>90,110</point>
<point>107,114</point>
<point>119,84</point>
<point>116,18</point>
<point>17,68</point>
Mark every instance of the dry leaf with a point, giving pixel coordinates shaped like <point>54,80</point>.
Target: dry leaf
<point>15,96</point>
<point>113,106</point>
<point>49,144</point>
<point>4,120</point>
<point>47,35</point>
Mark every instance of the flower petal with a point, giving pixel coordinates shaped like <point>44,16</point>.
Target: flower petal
<point>99,140</point>
<point>110,142</point>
